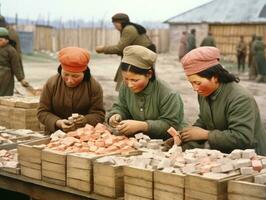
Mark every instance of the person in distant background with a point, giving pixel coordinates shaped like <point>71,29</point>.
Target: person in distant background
<point>259,55</point>
<point>130,34</point>
<point>191,40</point>
<point>208,41</point>
<point>241,54</point>
<point>72,90</point>
<point>9,66</point>
<point>252,73</point>
<point>183,45</point>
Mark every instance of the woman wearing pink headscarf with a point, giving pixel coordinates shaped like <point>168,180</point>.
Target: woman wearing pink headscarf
<point>229,117</point>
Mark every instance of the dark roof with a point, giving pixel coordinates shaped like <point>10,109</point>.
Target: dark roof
<point>224,11</point>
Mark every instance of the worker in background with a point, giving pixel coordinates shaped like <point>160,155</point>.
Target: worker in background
<point>183,45</point>
<point>208,41</point>
<point>229,117</point>
<point>251,59</point>
<point>191,40</point>
<point>9,66</point>
<point>71,90</point>
<point>241,50</point>
<point>145,103</point>
<point>259,51</point>
<point>130,34</point>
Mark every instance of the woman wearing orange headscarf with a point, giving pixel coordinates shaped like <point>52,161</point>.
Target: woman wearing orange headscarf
<point>229,117</point>
<point>72,90</point>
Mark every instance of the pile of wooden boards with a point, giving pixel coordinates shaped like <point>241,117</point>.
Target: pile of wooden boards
<point>19,112</point>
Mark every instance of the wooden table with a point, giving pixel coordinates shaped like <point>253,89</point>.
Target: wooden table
<point>43,191</point>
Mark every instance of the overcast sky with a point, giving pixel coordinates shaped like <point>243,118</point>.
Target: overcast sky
<point>138,10</point>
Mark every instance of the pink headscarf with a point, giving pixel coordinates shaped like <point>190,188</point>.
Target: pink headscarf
<point>200,59</point>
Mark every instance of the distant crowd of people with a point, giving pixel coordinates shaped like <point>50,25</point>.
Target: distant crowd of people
<point>255,50</point>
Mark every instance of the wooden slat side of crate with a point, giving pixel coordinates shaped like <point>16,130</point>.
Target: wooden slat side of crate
<point>4,116</point>
<point>138,182</point>
<point>108,180</point>
<point>207,185</point>
<point>245,187</point>
<point>29,158</point>
<point>54,167</point>
<point>193,194</point>
<point>134,197</point>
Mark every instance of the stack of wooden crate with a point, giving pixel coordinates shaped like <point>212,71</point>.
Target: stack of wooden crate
<point>138,183</point>
<point>245,188</point>
<point>169,186</point>
<point>198,187</point>
<point>30,158</point>
<point>54,167</point>
<point>19,112</point>
<point>80,171</point>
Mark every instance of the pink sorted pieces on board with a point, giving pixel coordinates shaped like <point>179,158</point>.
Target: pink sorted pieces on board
<point>257,165</point>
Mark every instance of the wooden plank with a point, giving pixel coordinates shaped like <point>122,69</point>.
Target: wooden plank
<point>139,191</point>
<point>108,181</point>
<point>11,170</point>
<point>81,161</point>
<point>138,173</point>
<point>108,191</point>
<point>134,197</point>
<point>242,197</point>
<point>107,170</point>
<point>204,196</point>
<point>80,174</point>
<point>169,188</point>
<point>137,181</point>
<point>53,167</point>
<point>30,165</point>
<point>32,173</point>
<point>54,156</point>
<point>79,185</point>
<point>53,175</point>
<point>249,189</point>
<point>207,185</point>
<point>160,194</point>
<point>53,181</point>
<point>169,179</point>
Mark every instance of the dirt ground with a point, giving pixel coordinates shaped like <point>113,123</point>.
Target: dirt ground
<point>39,67</point>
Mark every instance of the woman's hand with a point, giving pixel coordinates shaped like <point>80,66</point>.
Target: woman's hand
<point>115,120</point>
<point>65,125</point>
<point>24,83</point>
<point>130,127</point>
<point>193,134</point>
<point>99,49</point>
<point>80,121</point>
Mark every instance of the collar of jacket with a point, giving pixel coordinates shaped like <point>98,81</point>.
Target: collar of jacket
<point>215,95</point>
<point>148,90</point>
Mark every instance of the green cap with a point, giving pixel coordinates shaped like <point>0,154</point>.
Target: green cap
<point>3,32</point>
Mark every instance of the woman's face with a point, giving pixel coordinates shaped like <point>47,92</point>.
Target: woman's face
<point>203,86</point>
<point>72,79</point>
<point>117,25</point>
<point>136,82</point>
<point>3,42</point>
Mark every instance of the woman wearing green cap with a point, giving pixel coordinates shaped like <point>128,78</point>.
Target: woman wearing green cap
<point>9,66</point>
<point>131,34</point>
<point>145,103</point>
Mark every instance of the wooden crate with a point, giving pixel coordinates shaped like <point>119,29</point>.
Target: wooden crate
<point>54,167</point>
<point>244,188</point>
<point>30,158</point>
<point>24,119</point>
<point>4,116</point>
<point>203,188</point>
<point>108,180</point>
<point>168,186</point>
<point>138,183</point>
<point>80,171</point>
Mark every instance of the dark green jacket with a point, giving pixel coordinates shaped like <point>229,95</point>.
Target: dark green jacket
<point>129,36</point>
<point>159,105</point>
<point>232,116</point>
<point>208,41</point>
<point>191,40</point>
<point>260,56</point>
<point>9,66</point>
